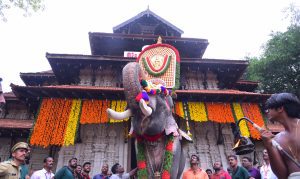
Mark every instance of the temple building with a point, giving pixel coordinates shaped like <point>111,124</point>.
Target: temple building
<point>62,112</point>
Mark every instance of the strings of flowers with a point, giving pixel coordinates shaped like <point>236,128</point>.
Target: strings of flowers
<point>91,112</point>
<point>51,122</point>
<point>197,111</point>
<point>219,112</point>
<point>118,106</point>
<point>179,109</point>
<point>252,111</point>
<point>238,113</point>
<point>72,123</point>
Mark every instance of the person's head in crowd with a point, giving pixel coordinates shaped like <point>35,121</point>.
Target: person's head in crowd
<point>232,160</point>
<point>78,169</point>
<point>104,169</point>
<point>217,166</point>
<point>117,169</point>
<point>48,163</point>
<point>73,163</point>
<point>282,103</point>
<point>265,155</point>
<point>209,172</point>
<point>194,160</point>
<point>86,167</point>
<point>19,152</point>
<point>247,162</point>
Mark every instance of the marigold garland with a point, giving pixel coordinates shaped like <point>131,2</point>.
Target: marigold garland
<point>219,112</point>
<point>197,111</point>
<point>252,111</point>
<point>238,113</point>
<point>58,118</point>
<point>51,122</point>
<point>62,114</point>
<point>179,109</point>
<point>91,112</point>
<point>73,123</point>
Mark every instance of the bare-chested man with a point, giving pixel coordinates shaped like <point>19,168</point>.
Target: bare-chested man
<point>285,109</point>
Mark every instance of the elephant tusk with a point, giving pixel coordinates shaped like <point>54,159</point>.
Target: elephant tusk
<point>147,111</point>
<point>118,115</point>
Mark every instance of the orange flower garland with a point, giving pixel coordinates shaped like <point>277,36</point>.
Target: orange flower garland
<point>40,124</point>
<point>179,109</point>
<point>91,112</point>
<point>252,111</point>
<point>62,113</point>
<point>219,112</point>
<point>51,122</point>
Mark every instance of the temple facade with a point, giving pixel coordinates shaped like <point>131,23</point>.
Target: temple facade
<point>62,112</point>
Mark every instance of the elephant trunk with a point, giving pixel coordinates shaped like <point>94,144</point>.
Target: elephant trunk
<point>132,74</point>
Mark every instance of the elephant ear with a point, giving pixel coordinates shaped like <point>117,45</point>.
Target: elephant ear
<point>132,74</point>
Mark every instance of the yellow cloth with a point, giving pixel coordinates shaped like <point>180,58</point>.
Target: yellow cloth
<point>9,170</point>
<point>295,175</point>
<point>199,174</point>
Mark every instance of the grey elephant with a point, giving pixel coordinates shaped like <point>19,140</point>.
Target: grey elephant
<point>154,127</point>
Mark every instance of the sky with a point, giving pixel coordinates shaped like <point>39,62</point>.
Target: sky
<point>233,28</point>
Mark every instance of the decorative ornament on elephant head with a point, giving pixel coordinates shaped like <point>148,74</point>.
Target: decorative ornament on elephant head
<point>147,85</point>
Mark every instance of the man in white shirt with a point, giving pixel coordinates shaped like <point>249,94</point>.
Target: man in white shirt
<point>265,170</point>
<point>46,172</point>
<point>118,172</point>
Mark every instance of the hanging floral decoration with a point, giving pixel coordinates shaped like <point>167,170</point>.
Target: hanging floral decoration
<point>58,118</point>
<point>167,163</point>
<point>238,113</point>
<point>252,111</point>
<point>118,106</point>
<point>52,123</point>
<point>91,112</point>
<point>197,111</point>
<point>73,123</point>
<point>179,109</point>
<point>219,112</point>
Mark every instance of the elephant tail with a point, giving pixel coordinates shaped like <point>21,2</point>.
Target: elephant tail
<point>132,74</point>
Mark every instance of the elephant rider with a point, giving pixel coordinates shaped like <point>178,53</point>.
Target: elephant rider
<point>11,169</point>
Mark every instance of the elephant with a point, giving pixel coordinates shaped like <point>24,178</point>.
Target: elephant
<point>153,123</point>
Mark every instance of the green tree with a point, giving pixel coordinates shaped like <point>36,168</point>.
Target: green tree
<point>278,68</point>
<point>27,6</point>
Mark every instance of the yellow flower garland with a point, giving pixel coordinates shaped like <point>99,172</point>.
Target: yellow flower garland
<point>197,111</point>
<point>118,106</point>
<point>238,112</point>
<point>72,123</point>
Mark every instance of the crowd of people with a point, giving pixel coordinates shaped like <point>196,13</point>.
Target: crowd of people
<point>234,171</point>
<point>10,169</point>
<point>283,157</point>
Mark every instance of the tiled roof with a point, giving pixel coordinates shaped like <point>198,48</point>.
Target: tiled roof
<point>232,92</point>
<point>16,123</point>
